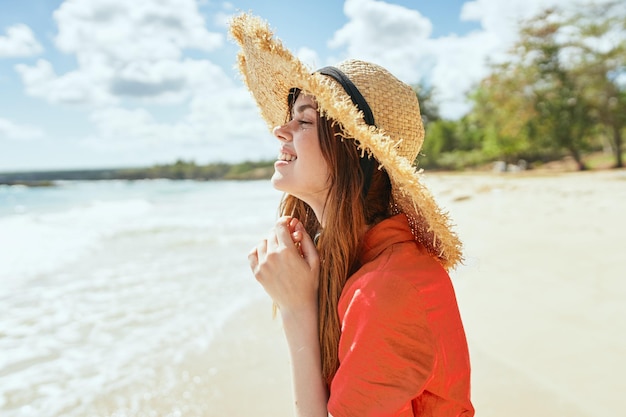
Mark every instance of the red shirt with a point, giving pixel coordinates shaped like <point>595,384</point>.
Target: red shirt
<point>402,350</point>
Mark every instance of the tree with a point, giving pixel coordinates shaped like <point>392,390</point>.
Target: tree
<point>504,110</point>
<point>559,85</point>
<point>563,112</point>
<point>598,45</point>
<point>429,109</point>
<point>440,138</point>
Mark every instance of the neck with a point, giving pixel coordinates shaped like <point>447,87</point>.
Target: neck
<point>319,213</point>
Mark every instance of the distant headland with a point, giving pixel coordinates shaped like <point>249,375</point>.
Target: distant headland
<point>179,170</point>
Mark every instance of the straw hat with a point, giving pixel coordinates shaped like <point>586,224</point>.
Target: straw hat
<point>271,71</point>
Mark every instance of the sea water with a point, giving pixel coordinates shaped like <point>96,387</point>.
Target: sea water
<point>107,287</point>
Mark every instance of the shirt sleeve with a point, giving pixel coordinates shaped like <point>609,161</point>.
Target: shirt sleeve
<point>386,350</point>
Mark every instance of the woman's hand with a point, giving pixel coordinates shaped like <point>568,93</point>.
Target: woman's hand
<point>287,265</point>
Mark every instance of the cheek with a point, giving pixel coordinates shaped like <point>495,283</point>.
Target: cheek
<point>315,161</point>
<point>321,173</point>
<point>311,162</point>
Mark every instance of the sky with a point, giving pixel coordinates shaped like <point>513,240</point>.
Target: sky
<point>119,83</point>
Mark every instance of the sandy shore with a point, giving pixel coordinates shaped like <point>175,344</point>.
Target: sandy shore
<point>541,293</point>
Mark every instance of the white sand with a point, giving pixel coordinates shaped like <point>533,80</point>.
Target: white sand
<point>542,294</point>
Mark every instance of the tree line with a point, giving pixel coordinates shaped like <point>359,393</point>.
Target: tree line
<point>179,170</point>
<point>189,170</point>
<point>560,92</point>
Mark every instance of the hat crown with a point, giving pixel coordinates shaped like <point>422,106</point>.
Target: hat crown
<point>394,105</point>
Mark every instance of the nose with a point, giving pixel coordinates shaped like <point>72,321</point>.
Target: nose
<point>282,133</point>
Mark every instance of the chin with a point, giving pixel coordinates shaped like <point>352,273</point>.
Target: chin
<point>277,181</point>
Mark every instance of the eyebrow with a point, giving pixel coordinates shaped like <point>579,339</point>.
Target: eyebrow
<point>301,108</point>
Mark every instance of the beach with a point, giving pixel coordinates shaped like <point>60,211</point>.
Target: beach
<point>142,304</point>
<point>541,293</point>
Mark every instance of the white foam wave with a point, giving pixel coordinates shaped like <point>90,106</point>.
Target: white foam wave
<point>35,244</point>
<point>105,304</point>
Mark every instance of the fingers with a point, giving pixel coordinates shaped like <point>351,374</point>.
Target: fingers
<point>279,236</point>
<point>307,247</point>
<point>257,255</point>
<point>296,233</point>
<point>289,277</point>
<point>288,238</point>
<point>283,231</point>
<point>291,223</point>
<point>253,258</point>
<point>272,241</point>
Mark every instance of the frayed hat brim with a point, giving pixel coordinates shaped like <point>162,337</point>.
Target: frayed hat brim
<point>270,70</point>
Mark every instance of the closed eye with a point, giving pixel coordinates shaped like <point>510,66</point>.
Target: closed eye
<point>301,110</point>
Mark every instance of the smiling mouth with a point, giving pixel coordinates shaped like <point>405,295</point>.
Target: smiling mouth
<point>286,157</point>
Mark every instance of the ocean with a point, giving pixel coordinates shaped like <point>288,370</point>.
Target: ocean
<point>110,289</point>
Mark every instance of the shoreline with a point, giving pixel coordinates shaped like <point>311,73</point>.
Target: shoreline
<point>250,171</point>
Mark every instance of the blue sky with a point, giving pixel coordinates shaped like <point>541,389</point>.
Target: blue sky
<point>114,83</point>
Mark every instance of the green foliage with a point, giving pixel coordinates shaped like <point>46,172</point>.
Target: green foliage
<point>188,170</point>
<point>558,92</point>
<point>451,144</point>
<point>562,112</point>
<point>440,138</point>
<point>429,109</point>
<point>460,160</point>
<point>180,170</point>
<point>250,170</point>
<point>503,112</point>
<point>598,69</point>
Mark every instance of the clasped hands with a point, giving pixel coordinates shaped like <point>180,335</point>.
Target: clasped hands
<point>287,265</point>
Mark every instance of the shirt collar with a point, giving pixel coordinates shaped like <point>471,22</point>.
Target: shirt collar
<point>392,230</point>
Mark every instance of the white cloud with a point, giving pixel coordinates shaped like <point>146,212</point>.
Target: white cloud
<point>168,81</point>
<point>225,123</point>
<point>19,42</point>
<point>13,131</point>
<point>141,29</point>
<point>387,34</point>
<point>75,87</point>
<point>222,19</point>
<point>309,57</point>
<point>124,50</point>
<point>132,57</point>
<point>400,39</point>
<point>457,70</point>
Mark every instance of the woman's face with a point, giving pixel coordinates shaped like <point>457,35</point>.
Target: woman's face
<point>301,170</point>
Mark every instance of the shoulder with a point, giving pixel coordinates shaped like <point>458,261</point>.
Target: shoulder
<point>404,279</point>
<point>404,265</point>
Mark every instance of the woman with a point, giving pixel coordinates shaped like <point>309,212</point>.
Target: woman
<point>357,263</point>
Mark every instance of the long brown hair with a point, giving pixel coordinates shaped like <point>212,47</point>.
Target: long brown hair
<point>347,214</point>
